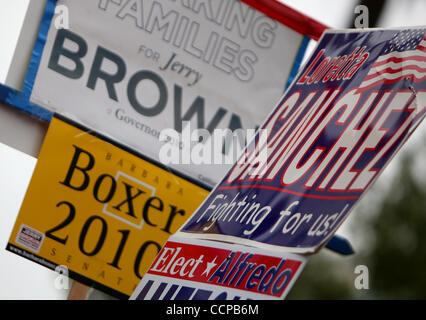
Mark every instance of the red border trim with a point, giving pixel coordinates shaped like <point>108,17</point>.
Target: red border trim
<point>289,17</point>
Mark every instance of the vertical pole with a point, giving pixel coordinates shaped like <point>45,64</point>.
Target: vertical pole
<point>78,291</point>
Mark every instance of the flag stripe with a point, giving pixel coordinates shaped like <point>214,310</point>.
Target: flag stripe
<point>395,65</point>
<point>394,76</point>
<point>389,70</point>
<point>386,80</point>
<point>404,55</point>
<point>404,58</point>
<point>421,58</point>
<point>421,47</point>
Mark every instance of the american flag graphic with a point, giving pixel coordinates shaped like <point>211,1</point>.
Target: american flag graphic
<point>403,58</point>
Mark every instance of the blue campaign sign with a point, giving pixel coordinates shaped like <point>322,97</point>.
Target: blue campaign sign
<point>358,98</point>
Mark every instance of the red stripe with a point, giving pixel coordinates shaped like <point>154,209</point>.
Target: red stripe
<point>397,60</point>
<point>421,48</point>
<point>313,196</point>
<point>393,71</point>
<point>387,81</point>
<point>289,17</point>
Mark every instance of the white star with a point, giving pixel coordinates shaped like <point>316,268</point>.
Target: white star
<point>210,266</point>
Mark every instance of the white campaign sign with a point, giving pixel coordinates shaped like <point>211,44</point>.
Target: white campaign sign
<point>133,68</point>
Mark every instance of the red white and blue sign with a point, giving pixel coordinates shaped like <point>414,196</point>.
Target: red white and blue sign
<point>190,269</point>
<point>358,98</point>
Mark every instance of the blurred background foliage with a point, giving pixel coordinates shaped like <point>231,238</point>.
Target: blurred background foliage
<point>388,231</point>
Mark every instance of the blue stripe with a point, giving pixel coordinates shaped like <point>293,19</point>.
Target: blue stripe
<point>340,245</point>
<point>297,61</point>
<point>159,291</point>
<point>201,294</point>
<point>16,99</point>
<point>38,48</point>
<point>4,92</point>
<point>171,292</point>
<point>184,293</point>
<point>145,290</point>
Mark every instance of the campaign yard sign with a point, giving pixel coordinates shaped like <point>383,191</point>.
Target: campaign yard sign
<point>131,69</point>
<point>193,269</point>
<point>99,209</point>
<point>357,100</point>
<point>100,202</point>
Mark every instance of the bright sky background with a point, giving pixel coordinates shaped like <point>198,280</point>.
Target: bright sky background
<point>22,279</point>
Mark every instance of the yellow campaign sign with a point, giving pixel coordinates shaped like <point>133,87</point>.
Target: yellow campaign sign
<point>99,209</point>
